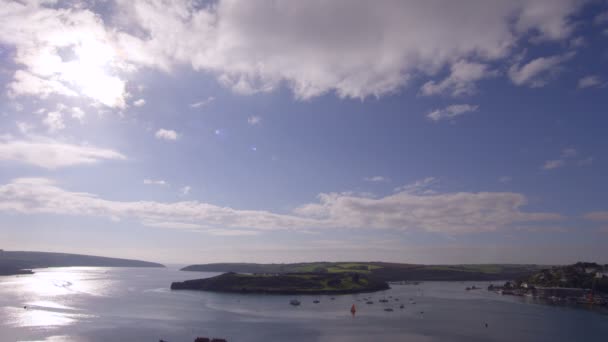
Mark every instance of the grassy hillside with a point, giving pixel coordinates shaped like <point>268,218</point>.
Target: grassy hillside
<point>381,270</point>
<point>292,283</point>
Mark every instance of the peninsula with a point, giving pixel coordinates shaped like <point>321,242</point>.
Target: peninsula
<point>289,283</point>
<point>18,262</point>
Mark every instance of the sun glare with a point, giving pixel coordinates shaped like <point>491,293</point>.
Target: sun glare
<point>89,73</point>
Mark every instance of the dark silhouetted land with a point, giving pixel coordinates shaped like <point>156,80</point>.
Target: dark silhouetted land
<point>22,262</point>
<point>289,283</point>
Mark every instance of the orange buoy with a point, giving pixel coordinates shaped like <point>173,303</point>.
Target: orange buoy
<point>353,309</point>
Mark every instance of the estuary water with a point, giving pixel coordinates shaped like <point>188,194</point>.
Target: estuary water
<point>136,304</point>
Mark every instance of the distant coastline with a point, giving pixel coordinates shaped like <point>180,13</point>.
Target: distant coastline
<point>383,271</point>
<point>19,262</point>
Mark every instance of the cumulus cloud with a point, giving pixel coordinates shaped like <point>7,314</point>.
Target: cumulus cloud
<point>451,112</point>
<point>589,82</point>
<point>52,154</point>
<point>166,134</point>
<point>538,72</point>
<point>407,210</point>
<point>254,120</point>
<point>353,48</point>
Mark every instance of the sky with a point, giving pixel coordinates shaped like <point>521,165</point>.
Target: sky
<point>430,131</point>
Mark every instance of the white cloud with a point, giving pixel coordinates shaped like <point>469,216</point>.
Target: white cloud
<point>538,72</point>
<point>185,190</point>
<point>54,121</point>
<point>139,103</point>
<point>90,69</point>
<point>448,213</point>
<point>461,80</point>
<point>450,112</point>
<point>52,154</point>
<point>589,82</point>
<point>254,120</point>
<point>166,134</point>
<point>376,179</point>
<point>369,49</point>
<point>553,164</point>
<point>202,103</point>
<point>155,182</point>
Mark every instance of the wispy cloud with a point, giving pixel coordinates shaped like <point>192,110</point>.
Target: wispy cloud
<point>139,103</point>
<point>254,120</point>
<point>590,81</point>
<point>460,212</point>
<point>202,103</point>
<point>505,179</point>
<point>553,164</point>
<point>601,216</point>
<point>53,154</point>
<point>155,182</point>
<point>538,72</point>
<point>451,112</point>
<point>567,155</point>
<point>461,80</point>
<point>376,179</point>
<point>185,190</point>
<point>166,134</point>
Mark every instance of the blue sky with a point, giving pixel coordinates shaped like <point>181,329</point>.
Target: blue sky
<point>413,131</point>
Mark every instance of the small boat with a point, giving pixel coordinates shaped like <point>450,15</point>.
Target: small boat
<point>332,298</point>
<point>388,309</point>
<point>383,300</point>
<point>401,306</point>
<point>369,302</point>
<point>294,302</point>
<point>316,301</point>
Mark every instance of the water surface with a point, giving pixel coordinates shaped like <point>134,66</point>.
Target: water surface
<point>135,304</point>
